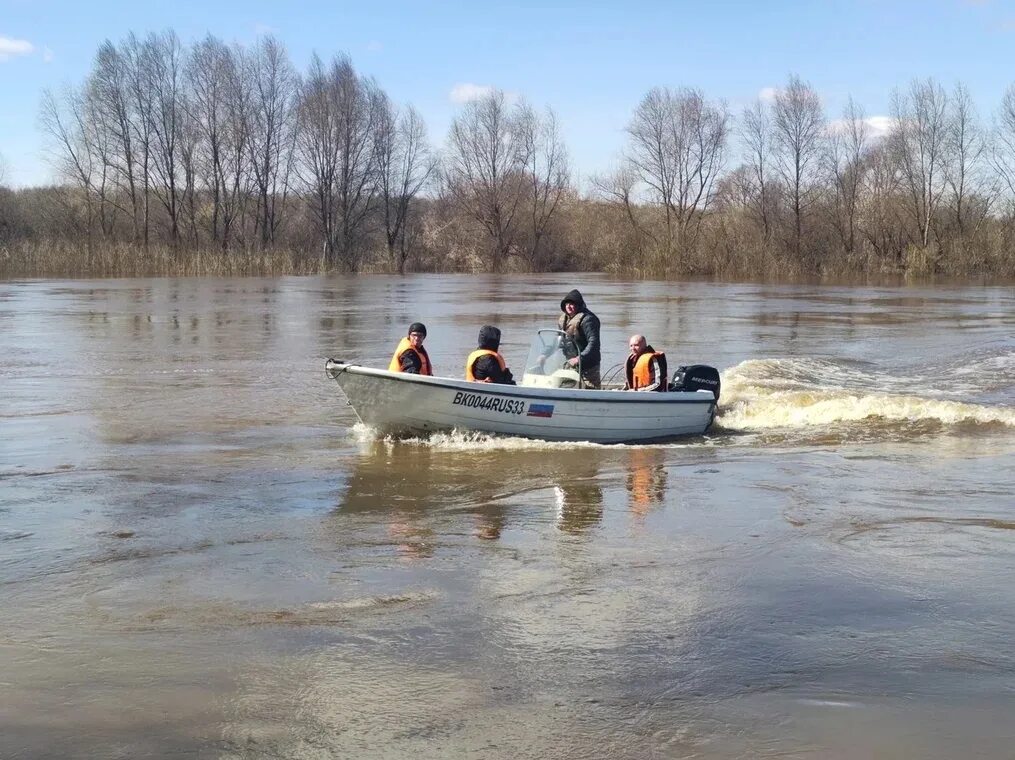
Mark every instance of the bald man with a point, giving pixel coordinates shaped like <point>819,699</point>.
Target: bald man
<point>646,367</point>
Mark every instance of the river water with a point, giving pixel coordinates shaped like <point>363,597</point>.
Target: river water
<point>203,555</point>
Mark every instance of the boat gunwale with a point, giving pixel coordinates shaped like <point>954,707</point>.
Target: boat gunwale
<point>562,394</point>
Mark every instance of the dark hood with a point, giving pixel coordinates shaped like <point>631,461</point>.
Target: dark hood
<point>574,297</point>
<point>489,337</point>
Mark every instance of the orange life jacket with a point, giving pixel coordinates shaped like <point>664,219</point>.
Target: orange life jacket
<point>479,352</point>
<point>642,375</point>
<point>396,366</point>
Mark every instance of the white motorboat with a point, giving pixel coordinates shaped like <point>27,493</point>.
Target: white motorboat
<point>549,403</point>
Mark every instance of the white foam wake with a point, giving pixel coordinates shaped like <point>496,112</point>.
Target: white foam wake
<point>460,440</point>
<point>773,393</point>
<point>994,371</point>
<point>803,408</point>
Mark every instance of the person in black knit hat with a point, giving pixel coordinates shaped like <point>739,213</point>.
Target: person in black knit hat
<point>485,364</point>
<point>410,356</point>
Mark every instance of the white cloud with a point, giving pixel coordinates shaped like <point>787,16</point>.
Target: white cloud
<point>10,48</point>
<point>767,94</point>
<point>466,92</point>
<point>47,55</point>
<point>880,125</point>
<point>877,126</point>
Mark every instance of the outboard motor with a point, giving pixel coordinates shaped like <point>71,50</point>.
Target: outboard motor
<point>696,377</point>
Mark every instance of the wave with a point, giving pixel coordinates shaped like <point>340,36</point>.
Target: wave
<point>788,393</point>
<point>996,370</point>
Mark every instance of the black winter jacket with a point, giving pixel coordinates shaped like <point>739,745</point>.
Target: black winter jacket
<point>487,367</point>
<point>587,335</point>
<point>410,362</point>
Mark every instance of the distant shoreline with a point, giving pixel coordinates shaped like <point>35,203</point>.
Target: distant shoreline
<point>119,262</point>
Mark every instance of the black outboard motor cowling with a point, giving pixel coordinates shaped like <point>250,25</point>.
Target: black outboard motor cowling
<point>696,377</point>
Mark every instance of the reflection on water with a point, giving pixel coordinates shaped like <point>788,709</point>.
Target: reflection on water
<point>201,554</point>
<point>579,506</point>
<point>411,485</point>
<point>646,480</point>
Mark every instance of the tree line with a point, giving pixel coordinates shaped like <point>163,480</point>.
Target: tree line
<point>225,158</point>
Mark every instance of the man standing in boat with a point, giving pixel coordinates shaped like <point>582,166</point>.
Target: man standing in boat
<point>410,356</point>
<point>485,364</point>
<point>646,367</point>
<point>582,326</point>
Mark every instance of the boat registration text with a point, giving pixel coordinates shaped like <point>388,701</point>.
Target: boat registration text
<point>479,401</point>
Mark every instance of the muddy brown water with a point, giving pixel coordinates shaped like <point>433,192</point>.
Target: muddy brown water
<point>202,554</point>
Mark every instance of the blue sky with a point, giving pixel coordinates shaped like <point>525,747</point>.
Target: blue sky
<point>591,61</point>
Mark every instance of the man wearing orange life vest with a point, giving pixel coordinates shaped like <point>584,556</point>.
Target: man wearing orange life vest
<point>646,367</point>
<point>410,356</point>
<point>485,365</point>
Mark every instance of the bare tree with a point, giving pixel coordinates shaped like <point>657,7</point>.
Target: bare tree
<point>405,164</point>
<point>272,132</point>
<point>317,144</point>
<point>878,208</point>
<point>220,119</point>
<point>1003,146</point>
<point>109,86</point>
<point>848,142</point>
<point>137,55</point>
<point>208,70</point>
<point>7,222</point>
<point>483,173</point>
<point>237,177</point>
<point>548,177</point>
<point>189,144</point>
<point>919,137</point>
<point>618,187</point>
<point>798,126</point>
<point>169,115</point>
<point>966,152</point>
<point>359,102</point>
<point>338,116</point>
<point>678,148</point>
<point>756,133</point>
<point>103,147</point>
<point>71,151</point>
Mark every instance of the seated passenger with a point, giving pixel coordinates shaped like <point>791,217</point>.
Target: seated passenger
<point>646,367</point>
<point>485,365</point>
<point>410,356</point>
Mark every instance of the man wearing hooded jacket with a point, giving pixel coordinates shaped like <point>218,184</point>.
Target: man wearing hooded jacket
<point>582,326</point>
<point>485,364</point>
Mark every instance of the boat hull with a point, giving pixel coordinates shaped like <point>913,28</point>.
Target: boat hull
<point>404,404</point>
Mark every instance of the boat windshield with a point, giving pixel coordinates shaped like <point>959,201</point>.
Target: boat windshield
<point>547,364</point>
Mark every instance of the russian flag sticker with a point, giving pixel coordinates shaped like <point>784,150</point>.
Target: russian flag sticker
<point>540,410</point>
